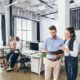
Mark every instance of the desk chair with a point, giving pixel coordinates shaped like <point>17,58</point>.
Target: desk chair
<point>2,57</point>
<point>23,61</point>
<point>3,53</point>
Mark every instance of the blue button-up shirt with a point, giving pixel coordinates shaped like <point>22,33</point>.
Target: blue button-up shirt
<point>52,44</point>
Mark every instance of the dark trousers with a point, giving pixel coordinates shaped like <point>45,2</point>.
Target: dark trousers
<point>13,58</point>
<point>71,64</point>
<point>9,55</point>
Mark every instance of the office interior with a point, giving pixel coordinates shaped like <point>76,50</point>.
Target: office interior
<point>30,20</point>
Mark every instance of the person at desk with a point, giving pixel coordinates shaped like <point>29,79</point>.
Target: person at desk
<point>12,46</point>
<point>15,55</point>
<point>70,49</point>
<point>18,43</point>
<point>52,62</point>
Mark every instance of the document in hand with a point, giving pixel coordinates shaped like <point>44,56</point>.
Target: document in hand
<point>57,52</point>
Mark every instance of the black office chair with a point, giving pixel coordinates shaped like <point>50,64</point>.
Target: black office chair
<point>2,57</point>
<point>23,61</point>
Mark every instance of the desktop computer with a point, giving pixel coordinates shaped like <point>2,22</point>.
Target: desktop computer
<point>34,46</point>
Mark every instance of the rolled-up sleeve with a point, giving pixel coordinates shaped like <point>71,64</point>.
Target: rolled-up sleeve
<point>45,44</point>
<point>62,42</point>
<point>74,53</point>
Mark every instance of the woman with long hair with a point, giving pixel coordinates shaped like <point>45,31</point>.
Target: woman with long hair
<point>15,55</point>
<point>70,49</point>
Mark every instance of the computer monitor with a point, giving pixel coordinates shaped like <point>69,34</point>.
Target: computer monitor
<point>34,46</point>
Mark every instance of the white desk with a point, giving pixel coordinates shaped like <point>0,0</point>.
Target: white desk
<point>37,64</point>
<point>4,47</point>
<point>36,61</point>
<point>28,53</point>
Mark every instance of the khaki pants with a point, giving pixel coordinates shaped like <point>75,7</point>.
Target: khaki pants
<point>52,66</point>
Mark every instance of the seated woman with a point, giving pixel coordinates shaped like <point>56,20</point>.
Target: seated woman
<point>15,55</point>
<point>12,46</point>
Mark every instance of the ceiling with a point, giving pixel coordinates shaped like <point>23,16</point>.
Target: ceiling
<point>43,7</point>
<point>38,6</point>
<point>48,8</point>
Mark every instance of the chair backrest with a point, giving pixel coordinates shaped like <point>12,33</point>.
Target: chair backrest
<point>1,53</point>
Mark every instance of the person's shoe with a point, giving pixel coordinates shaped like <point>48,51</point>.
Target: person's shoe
<point>9,69</point>
<point>5,67</point>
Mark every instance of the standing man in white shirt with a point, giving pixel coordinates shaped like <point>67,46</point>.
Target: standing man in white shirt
<point>70,49</point>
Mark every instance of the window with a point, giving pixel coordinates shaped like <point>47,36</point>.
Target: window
<point>75,18</point>
<point>0,31</point>
<point>24,29</point>
<point>18,23</point>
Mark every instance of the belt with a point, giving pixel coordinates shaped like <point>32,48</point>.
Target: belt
<point>54,59</point>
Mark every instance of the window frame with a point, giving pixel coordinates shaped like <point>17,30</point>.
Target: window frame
<point>22,30</point>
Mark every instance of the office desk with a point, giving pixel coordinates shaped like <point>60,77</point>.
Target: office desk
<point>4,49</point>
<point>36,61</point>
<point>28,53</point>
<point>37,64</point>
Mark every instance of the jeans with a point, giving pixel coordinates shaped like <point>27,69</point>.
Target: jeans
<point>71,64</point>
<point>12,56</point>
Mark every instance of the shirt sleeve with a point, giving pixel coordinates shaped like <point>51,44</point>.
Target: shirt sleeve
<point>74,53</point>
<point>45,44</point>
<point>62,42</point>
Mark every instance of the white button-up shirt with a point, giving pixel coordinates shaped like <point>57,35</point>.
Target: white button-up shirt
<point>73,53</point>
<point>18,45</point>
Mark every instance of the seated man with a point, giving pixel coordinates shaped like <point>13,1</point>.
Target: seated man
<point>15,55</point>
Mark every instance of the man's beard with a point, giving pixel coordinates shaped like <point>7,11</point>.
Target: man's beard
<point>54,37</point>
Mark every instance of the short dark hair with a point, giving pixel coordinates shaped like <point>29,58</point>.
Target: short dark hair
<point>52,27</point>
<point>17,38</point>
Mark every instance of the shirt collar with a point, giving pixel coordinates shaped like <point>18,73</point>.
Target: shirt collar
<point>54,38</point>
<point>68,40</point>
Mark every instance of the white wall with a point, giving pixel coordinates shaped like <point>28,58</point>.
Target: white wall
<point>44,25</point>
<point>78,37</point>
<point>34,31</point>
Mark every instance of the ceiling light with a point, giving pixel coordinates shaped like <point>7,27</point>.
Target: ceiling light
<point>72,1</point>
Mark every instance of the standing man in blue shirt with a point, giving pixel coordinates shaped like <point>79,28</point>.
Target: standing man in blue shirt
<point>52,61</point>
